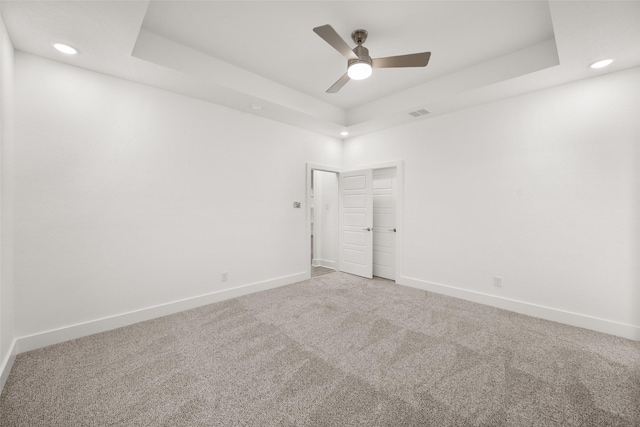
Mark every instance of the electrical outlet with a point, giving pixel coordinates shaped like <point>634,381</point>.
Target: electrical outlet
<point>497,282</point>
<point>225,276</point>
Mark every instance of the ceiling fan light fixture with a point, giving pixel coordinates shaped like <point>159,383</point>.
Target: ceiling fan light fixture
<point>359,63</point>
<point>359,70</point>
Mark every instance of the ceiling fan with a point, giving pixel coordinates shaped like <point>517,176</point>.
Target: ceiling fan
<point>359,63</point>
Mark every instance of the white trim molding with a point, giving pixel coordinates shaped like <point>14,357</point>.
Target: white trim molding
<point>66,333</point>
<point>7,364</point>
<point>325,263</point>
<point>568,318</point>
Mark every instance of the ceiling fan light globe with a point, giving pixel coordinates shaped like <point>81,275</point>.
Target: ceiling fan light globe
<point>359,71</point>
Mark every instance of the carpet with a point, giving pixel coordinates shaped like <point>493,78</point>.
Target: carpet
<point>336,350</point>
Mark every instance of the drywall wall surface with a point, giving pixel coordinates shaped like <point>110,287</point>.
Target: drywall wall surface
<point>542,190</point>
<point>6,198</point>
<point>129,197</point>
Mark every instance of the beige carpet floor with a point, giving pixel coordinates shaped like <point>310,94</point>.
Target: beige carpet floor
<point>336,350</point>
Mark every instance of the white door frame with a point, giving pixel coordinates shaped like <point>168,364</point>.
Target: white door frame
<point>399,165</point>
<point>310,168</point>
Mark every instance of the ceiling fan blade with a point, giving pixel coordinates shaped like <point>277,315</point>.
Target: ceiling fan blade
<point>338,85</point>
<point>410,60</point>
<point>330,36</point>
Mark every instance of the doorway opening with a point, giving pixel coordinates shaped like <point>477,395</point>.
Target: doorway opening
<point>323,205</point>
<point>354,220</point>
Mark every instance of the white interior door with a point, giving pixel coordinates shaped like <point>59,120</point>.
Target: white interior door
<point>384,223</point>
<point>356,222</point>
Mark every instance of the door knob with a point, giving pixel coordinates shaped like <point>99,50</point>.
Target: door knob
<point>392,229</point>
<point>367,229</point>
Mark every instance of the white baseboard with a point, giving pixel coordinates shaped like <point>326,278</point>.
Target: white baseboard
<point>79,330</point>
<point>574,319</point>
<point>325,263</point>
<point>59,335</point>
<point>7,364</point>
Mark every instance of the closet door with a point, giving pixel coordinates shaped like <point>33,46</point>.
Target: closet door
<point>356,222</point>
<point>384,223</point>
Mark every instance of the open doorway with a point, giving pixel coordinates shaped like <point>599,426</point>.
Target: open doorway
<point>323,205</point>
<point>340,234</point>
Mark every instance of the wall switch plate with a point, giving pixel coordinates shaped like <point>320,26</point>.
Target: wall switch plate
<point>225,276</point>
<point>497,282</point>
<point>297,205</point>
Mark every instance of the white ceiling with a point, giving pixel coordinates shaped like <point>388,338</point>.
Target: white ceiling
<point>239,53</point>
<point>275,39</point>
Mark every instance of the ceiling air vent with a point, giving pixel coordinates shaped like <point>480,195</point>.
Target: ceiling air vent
<point>419,113</point>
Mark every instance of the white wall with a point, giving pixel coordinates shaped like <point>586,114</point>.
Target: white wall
<point>6,204</point>
<point>326,213</point>
<point>129,197</point>
<point>541,189</point>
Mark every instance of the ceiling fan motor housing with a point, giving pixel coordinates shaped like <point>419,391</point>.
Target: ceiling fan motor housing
<point>359,36</point>
<point>363,55</point>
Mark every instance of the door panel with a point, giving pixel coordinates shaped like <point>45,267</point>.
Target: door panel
<point>356,208</point>
<point>355,201</point>
<point>354,256</point>
<point>385,259</point>
<point>357,182</point>
<point>383,240</point>
<point>383,200</point>
<point>384,222</point>
<point>355,238</point>
<point>355,219</point>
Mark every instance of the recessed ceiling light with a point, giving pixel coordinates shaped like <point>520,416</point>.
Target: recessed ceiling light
<point>65,48</point>
<point>344,133</point>
<point>602,63</point>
